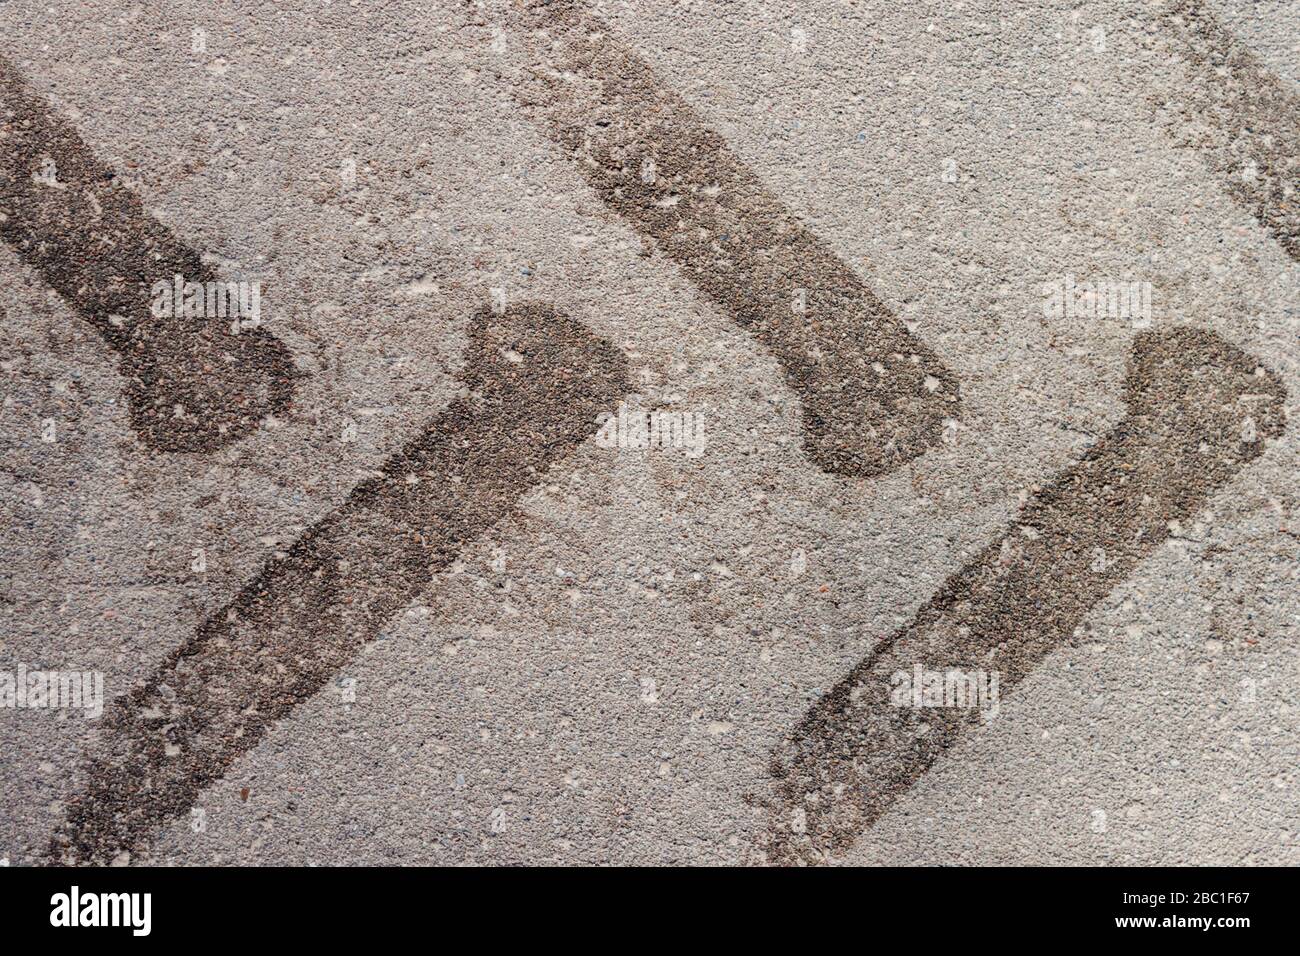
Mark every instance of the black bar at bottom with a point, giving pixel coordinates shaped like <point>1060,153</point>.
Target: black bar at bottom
<point>337,905</point>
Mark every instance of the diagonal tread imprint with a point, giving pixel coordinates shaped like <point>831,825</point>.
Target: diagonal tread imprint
<point>536,383</point>
<point>91,240</point>
<point>1199,410</point>
<point>873,395</point>
<point>1242,119</point>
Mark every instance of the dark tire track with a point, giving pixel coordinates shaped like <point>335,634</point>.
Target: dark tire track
<point>92,241</point>
<point>1242,119</point>
<point>1186,434</point>
<point>537,383</point>
<point>873,396</point>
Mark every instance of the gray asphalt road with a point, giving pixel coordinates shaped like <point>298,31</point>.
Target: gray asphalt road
<point>647,432</point>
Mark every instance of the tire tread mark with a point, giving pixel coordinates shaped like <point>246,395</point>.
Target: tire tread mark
<point>91,240</point>
<point>1189,395</point>
<point>1243,119</point>
<point>873,395</point>
<point>537,382</point>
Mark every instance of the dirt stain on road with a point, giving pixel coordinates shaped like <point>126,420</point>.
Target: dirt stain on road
<point>873,395</point>
<point>1242,119</point>
<point>537,382</point>
<point>191,384</point>
<point>1199,410</point>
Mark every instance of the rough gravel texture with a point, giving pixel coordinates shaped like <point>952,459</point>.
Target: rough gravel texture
<point>376,579</point>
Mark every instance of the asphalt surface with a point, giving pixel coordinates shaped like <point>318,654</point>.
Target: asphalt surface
<point>373,577</point>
